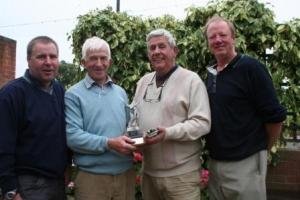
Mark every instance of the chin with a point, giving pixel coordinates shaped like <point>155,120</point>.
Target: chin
<point>159,67</point>
<point>220,53</point>
<point>49,78</point>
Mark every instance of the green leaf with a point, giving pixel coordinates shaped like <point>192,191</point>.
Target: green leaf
<point>281,28</point>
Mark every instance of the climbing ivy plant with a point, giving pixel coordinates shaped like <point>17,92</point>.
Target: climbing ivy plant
<point>256,30</point>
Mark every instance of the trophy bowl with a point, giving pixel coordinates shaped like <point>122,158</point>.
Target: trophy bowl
<point>135,134</point>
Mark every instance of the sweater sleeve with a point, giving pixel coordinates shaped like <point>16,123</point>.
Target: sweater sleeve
<point>264,95</point>
<point>78,139</point>
<point>8,135</point>
<point>198,119</point>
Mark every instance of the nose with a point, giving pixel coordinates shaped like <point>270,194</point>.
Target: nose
<point>99,62</point>
<point>218,38</point>
<point>156,50</point>
<point>48,60</point>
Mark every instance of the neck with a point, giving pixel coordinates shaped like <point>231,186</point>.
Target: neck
<point>45,86</point>
<point>100,82</point>
<point>162,73</point>
<point>160,79</point>
<point>222,62</point>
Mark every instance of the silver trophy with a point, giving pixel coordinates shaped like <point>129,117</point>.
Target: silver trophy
<point>133,130</point>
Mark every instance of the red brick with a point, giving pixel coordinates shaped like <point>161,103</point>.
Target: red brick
<point>286,175</point>
<point>7,60</point>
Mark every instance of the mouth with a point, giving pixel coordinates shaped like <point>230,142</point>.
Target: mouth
<point>48,71</point>
<point>219,49</point>
<point>219,46</point>
<point>157,60</point>
<point>98,70</point>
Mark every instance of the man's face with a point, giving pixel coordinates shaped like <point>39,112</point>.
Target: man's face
<point>97,64</point>
<point>43,63</point>
<point>161,55</point>
<point>220,39</point>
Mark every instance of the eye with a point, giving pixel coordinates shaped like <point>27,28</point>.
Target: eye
<point>41,56</point>
<point>53,56</point>
<point>152,47</point>
<point>161,46</point>
<point>93,58</point>
<point>96,58</point>
<point>104,58</point>
<point>211,37</point>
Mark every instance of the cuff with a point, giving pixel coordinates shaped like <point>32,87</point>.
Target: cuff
<point>9,185</point>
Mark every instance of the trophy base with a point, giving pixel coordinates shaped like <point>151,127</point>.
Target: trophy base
<point>136,136</point>
<point>138,141</point>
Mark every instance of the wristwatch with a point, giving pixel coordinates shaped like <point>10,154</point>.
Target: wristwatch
<point>10,195</point>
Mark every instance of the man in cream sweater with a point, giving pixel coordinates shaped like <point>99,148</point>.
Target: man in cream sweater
<point>174,101</point>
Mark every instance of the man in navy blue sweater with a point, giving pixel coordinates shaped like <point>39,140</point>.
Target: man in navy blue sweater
<point>33,152</point>
<point>246,118</point>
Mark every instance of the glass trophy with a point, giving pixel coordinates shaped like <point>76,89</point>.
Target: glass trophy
<point>133,130</point>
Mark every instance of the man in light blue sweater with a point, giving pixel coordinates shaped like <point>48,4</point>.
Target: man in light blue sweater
<point>96,123</point>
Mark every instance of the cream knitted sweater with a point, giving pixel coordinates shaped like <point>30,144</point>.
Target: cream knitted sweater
<point>184,111</point>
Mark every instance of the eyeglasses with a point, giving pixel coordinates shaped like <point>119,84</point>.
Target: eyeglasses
<point>153,98</point>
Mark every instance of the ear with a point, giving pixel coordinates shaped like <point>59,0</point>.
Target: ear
<point>176,50</point>
<point>110,62</point>
<point>83,62</point>
<point>233,36</point>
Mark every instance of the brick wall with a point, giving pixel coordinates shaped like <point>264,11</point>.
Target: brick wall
<point>285,177</point>
<point>7,60</point>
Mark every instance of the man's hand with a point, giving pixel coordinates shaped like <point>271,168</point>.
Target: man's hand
<point>273,132</point>
<point>18,197</point>
<point>156,139</point>
<point>122,144</point>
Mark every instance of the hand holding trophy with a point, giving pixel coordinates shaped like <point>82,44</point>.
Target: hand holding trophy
<point>133,130</point>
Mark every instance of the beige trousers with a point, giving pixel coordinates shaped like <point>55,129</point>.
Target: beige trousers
<point>239,180</point>
<point>181,187</point>
<point>105,187</point>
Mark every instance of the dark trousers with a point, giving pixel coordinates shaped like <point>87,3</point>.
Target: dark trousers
<point>33,187</point>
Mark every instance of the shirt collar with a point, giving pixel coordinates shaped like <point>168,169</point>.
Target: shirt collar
<point>35,82</point>
<point>161,80</point>
<point>232,64</point>
<point>89,82</point>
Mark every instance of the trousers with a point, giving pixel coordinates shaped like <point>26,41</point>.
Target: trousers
<point>238,180</point>
<point>36,187</point>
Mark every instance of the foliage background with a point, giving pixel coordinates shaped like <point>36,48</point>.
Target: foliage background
<point>255,26</point>
<point>256,31</point>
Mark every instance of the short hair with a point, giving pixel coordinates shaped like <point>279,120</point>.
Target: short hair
<point>217,18</point>
<point>92,44</point>
<point>39,39</point>
<point>161,32</point>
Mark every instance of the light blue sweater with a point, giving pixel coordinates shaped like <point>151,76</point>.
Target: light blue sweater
<point>94,114</point>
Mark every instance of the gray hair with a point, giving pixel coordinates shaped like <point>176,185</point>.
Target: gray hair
<point>217,18</point>
<point>94,43</point>
<point>161,32</point>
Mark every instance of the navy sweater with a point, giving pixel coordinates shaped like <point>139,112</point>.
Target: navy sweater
<point>32,132</point>
<point>242,100</point>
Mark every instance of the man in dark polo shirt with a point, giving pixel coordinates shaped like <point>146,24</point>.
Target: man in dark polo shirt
<point>246,118</point>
